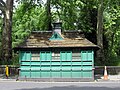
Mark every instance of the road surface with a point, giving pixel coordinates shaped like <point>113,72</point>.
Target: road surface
<point>20,85</point>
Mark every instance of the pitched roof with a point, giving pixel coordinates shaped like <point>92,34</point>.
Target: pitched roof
<point>71,39</point>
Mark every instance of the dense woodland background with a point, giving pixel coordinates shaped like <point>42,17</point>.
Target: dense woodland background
<point>98,19</point>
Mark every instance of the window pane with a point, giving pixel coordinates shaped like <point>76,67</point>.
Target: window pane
<point>56,56</point>
<point>76,55</point>
<point>35,56</point>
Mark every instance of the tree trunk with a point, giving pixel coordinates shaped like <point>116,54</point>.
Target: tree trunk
<point>48,12</point>
<point>7,33</point>
<point>100,52</point>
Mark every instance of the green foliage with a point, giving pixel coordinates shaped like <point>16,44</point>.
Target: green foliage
<point>26,21</point>
<point>31,15</point>
<point>112,28</point>
<point>73,14</point>
<point>15,59</point>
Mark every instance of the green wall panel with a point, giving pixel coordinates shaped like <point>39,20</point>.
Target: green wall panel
<point>55,63</point>
<point>26,67</point>
<point>76,67</point>
<point>48,56</point>
<point>45,63</point>
<point>55,67</point>
<point>66,63</point>
<point>87,74</point>
<point>45,74</point>
<point>43,56</point>
<point>22,56</point>
<point>76,74</point>
<point>84,55</point>
<point>87,55</point>
<point>35,67</point>
<point>35,63</point>
<point>25,73</point>
<point>77,63</point>
<point>90,55</point>
<point>64,68</point>
<point>28,56</point>
<point>66,74</point>
<point>69,56</point>
<point>55,74</point>
<point>25,63</point>
<point>87,67</point>
<point>25,56</point>
<point>87,63</point>
<point>45,67</point>
<point>35,73</point>
<point>63,56</point>
<point>66,55</point>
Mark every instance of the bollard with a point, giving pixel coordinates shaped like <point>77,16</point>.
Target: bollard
<point>7,71</point>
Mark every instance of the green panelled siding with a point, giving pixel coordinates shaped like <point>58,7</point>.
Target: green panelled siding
<point>87,63</point>
<point>66,55</point>
<point>63,68</point>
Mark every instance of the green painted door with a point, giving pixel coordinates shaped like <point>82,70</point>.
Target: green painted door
<point>66,55</point>
<point>25,58</point>
<point>45,66</point>
<point>66,58</point>
<point>87,58</point>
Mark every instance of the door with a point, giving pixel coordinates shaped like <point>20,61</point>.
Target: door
<point>25,58</point>
<point>87,58</point>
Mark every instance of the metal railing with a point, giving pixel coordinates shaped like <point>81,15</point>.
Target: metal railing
<point>99,70</point>
<point>112,70</point>
<point>13,71</point>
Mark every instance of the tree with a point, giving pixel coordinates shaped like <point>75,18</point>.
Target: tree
<point>89,16</point>
<point>48,15</point>
<point>112,31</point>
<point>7,10</point>
<point>100,52</point>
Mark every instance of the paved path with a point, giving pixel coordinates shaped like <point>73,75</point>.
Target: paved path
<point>20,85</point>
<point>99,84</point>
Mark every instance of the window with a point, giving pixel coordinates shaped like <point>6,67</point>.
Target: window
<point>55,56</point>
<point>76,56</point>
<point>35,56</point>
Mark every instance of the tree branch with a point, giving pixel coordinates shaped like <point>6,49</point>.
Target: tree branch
<point>2,3</point>
<point>2,8</point>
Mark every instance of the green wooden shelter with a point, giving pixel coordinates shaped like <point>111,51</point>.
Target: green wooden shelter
<point>57,56</point>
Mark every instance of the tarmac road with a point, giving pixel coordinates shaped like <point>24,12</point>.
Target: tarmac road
<point>20,85</point>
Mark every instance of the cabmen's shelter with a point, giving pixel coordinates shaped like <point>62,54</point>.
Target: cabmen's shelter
<point>57,56</point>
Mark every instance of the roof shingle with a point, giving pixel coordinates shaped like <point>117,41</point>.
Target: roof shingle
<point>71,39</point>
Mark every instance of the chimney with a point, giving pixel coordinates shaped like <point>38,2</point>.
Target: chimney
<point>57,27</point>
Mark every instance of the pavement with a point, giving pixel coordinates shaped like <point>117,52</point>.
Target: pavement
<point>98,78</point>
<point>111,78</point>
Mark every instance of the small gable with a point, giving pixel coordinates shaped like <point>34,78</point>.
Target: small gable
<point>56,36</point>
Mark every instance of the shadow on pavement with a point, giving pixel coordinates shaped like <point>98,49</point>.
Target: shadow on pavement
<point>73,88</point>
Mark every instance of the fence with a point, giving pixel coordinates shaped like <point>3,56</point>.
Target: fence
<point>13,71</point>
<point>112,70</point>
<point>99,70</point>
